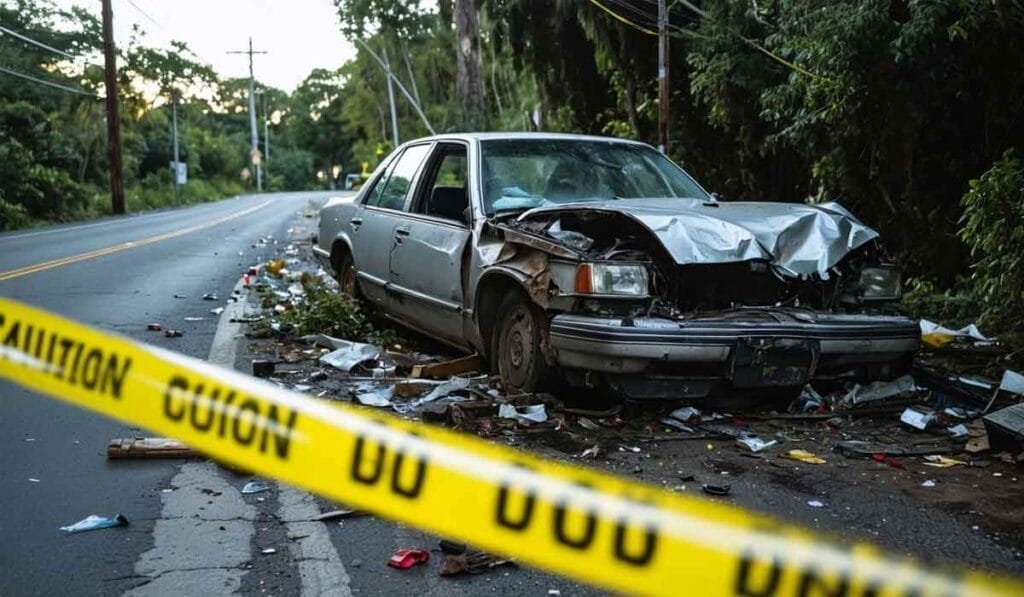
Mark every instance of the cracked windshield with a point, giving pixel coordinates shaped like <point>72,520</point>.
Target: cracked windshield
<point>517,297</point>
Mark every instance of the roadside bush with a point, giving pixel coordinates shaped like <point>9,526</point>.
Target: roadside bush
<point>954,307</point>
<point>12,215</point>
<point>993,229</point>
<point>338,315</point>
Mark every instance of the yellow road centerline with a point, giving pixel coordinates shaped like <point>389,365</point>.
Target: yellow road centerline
<point>38,267</point>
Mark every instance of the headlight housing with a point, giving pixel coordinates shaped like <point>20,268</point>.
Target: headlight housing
<point>611,279</point>
<point>881,283</point>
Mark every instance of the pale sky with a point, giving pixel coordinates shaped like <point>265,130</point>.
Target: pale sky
<point>299,35</point>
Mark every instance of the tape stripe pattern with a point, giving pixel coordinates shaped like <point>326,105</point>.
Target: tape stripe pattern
<point>600,529</point>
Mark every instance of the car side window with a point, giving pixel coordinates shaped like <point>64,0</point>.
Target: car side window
<point>373,197</point>
<point>397,187</point>
<point>445,194</point>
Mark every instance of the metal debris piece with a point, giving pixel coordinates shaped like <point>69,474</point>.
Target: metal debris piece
<point>802,456</point>
<point>173,333</point>
<point>349,354</point>
<point>148,447</point>
<point>94,522</point>
<point>446,369</point>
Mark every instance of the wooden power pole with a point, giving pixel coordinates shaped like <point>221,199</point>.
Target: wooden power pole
<point>662,77</point>
<point>113,113</point>
<point>254,138</point>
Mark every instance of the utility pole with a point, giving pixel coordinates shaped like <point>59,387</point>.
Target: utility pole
<point>254,136</point>
<point>266,139</point>
<point>113,114</point>
<point>662,77</point>
<point>174,125</point>
<point>391,99</point>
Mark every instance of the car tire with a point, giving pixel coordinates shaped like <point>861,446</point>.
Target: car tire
<point>346,277</point>
<point>516,352</point>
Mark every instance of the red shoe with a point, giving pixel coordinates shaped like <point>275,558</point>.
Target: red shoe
<point>403,559</point>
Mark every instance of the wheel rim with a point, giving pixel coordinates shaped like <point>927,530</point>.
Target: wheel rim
<point>518,346</point>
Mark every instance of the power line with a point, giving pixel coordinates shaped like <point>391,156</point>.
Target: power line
<point>36,43</point>
<point>160,26</point>
<point>48,83</point>
<point>623,19</point>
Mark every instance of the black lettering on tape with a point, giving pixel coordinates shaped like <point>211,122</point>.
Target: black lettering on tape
<point>65,344</point>
<point>359,473</point>
<point>396,476</point>
<point>114,374</point>
<point>91,368</point>
<point>812,584</point>
<point>74,364</point>
<point>193,416</point>
<point>767,582</point>
<point>357,463</point>
<point>636,559</point>
<point>248,405</point>
<point>11,339</point>
<point>177,386</point>
<point>40,335</point>
<point>282,433</point>
<point>49,351</point>
<point>501,510</point>
<point>224,415</point>
<point>562,535</point>
<point>27,342</point>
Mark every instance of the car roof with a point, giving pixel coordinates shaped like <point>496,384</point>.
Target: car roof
<point>494,135</point>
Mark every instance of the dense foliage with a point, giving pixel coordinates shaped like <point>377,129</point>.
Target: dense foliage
<point>891,107</point>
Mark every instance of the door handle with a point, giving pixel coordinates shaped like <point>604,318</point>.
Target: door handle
<point>401,233</point>
<point>355,223</point>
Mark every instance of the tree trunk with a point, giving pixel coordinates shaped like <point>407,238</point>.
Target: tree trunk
<point>470,84</point>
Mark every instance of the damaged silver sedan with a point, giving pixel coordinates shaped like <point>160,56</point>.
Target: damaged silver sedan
<point>600,262</point>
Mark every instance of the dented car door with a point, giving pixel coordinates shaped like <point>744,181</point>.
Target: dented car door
<point>426,280</point>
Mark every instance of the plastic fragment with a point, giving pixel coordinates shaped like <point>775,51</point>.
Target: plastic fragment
<point>403,559</point>
<point>255,487</point>
<point>94,523</point>
<point>803,456</point>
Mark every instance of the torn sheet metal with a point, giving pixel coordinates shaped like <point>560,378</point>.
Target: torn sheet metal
<point>349,354</point>
<point>797,239</point>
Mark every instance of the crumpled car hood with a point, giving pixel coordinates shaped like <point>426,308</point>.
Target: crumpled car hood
<point>797,239</point>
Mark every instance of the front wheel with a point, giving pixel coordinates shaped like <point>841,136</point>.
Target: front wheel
<point>516,345</point>
<point>347,277</point>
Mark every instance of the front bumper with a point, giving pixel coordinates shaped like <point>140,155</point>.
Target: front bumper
<point>755,348</point>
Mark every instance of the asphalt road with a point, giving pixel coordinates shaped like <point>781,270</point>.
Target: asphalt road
<point>116,274</point>
<point>191,529</point>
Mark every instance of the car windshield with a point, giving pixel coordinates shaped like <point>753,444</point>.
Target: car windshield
<point>521,174</point>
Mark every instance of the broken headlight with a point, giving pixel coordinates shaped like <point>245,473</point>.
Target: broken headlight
<point>611,279</point>
<point>881,283</point>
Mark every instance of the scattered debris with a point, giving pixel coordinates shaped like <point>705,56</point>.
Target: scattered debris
<point>469,562</point>
<point>263,368</point>
<point>268,551</point>
<point>446,369</point>
<point>815,504</point>
<point>870,449</point>
<point>1012,382</point>
<point>928,483</point>
<point>193,319</point>
<point>155,327</point>
<point>336,514</point>
<point>349,354</point>
<point>879,390</point>
<point>754,444</point>
<point>379,397</point>
<point>803,456</point>
<point>535,413</point>
<point>716,489</point>
<point>917,417</point>
<point>1006,428</point>
<point>94,522</point>
<point>173,333</point>
<point>942,461</point>
<point>148,447</point>
<point>255,487</point>
<point>403,559</point>
<point>934,335</point>
<point>210,296</point>
<point>217,310</point>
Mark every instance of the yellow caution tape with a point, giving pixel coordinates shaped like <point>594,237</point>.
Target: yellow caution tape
<point>594,527</point>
